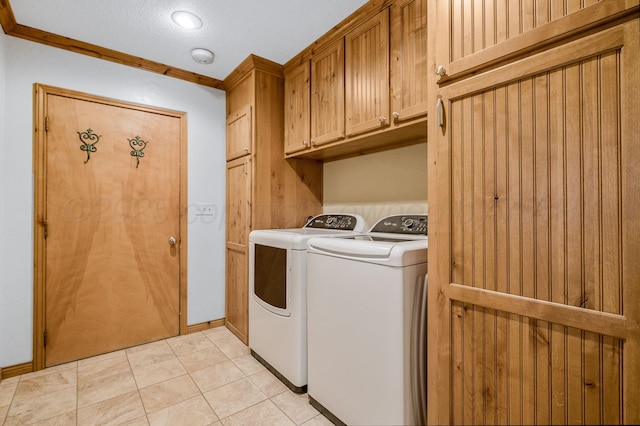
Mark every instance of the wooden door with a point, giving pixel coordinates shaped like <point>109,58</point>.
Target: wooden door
<point>327,94</point>
<point>408,60</point>
<point>367,75</point>
<point>297,113</point>
<point>238,227</point>
<point>533,298</point>
<point>239,132</point>
<point>112,201</point>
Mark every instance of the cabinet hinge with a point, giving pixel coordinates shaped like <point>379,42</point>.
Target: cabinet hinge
<point>46,124</point>
<point>45,338</point>
<point>46,229</point>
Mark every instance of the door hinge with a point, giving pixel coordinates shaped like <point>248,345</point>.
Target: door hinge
<point>46,124</point>
<point>45,338</point>
<point>46,229</point>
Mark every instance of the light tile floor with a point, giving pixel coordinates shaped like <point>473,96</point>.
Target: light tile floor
<point>205,378</point>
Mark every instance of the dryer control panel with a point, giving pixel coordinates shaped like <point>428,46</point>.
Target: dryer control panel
<point>342,222</point>
<point>402,224</point>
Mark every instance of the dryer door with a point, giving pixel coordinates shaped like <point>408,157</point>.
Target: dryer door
<point>270,278</point>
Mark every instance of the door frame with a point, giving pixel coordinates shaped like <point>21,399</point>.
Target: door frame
<point>40,180</point>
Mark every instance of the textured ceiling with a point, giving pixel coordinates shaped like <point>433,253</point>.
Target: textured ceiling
<point>233,29</point>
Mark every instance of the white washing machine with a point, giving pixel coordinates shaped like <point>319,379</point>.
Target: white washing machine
<point>367,324</point>
<point>278,293</point>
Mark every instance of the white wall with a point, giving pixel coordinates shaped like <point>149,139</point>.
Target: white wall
<point>24,63</point>
<point>378,185</point>
<point>3,293</point>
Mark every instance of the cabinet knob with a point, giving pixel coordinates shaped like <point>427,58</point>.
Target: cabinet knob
<point>382,119</point>
<point>441,71</point>
<point>305,143</point>
<point>313,142</point>
<point>245,149</point>
<point>396,116</point>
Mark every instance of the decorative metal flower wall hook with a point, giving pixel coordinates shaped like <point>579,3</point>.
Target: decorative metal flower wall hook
<point>138,145</point>
<point>89,140</point>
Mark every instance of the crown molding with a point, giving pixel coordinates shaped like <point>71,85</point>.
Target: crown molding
<point>14,29</point>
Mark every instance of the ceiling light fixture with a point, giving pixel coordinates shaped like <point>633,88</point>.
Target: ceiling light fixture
<point>202,56</point>
<point>186,20</point>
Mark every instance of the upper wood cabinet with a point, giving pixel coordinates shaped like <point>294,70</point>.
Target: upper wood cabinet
<point>297,111</point>
<point>327,94</point>
<point>408,67</point>
<point>361,87</point>
<point>314,100</point>
<point>367,75</point>
<point>239,138</point>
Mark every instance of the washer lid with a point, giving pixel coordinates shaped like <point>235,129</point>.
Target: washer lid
<point>295,239</point>
<point>352,248</point>
<point>400,253</point>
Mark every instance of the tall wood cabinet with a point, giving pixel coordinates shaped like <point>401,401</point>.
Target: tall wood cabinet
<point>534,302</point>
<point>264,190</point>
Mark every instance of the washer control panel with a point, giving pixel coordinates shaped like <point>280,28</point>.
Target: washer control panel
<point>402,224</point>
<point>342,222</point>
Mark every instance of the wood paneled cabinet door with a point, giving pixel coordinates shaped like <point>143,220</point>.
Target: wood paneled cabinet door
<point>327,94</point>
<point>408,70</point>
<point>297,109</point>
<point>367,76</point>
<point>238,228</point>
<point>314,100</point>
<point>534,301</point>
<point>239,133</point>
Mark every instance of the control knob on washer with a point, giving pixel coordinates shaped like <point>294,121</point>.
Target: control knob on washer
<point>408,223</point>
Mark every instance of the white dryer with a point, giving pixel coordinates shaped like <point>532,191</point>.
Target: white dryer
<point>367,324</point>
<point>278,293</point>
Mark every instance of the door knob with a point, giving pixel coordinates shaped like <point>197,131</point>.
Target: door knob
<point>172,241</point>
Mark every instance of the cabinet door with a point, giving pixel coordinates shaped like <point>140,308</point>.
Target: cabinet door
<point>408,59</point>
<point>327,94</point>
<point>239,134</point>
<point>239,200</point>
<point>296,109</point>
<point>367,75</point>
<point>533,260</point>
<point>237,306</point>
<point>238,228</point>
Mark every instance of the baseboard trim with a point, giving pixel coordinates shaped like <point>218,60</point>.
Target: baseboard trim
<point>205,325</point>
<point>27,367</point>
<point>16,370</point>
